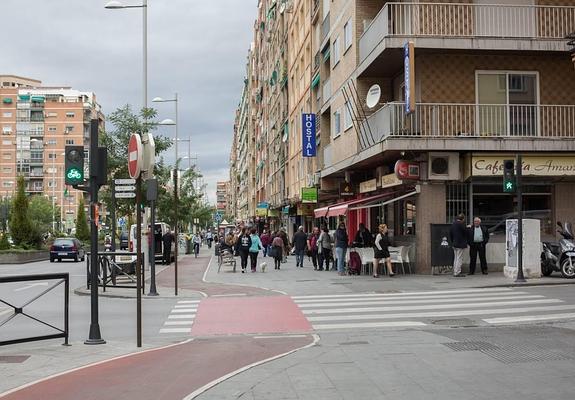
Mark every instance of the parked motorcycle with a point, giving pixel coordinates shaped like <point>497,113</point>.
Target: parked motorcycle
<point>559,256</point>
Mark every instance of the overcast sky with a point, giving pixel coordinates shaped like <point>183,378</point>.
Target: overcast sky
<point>197,48</point>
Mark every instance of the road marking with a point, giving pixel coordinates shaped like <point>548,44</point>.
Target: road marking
<point>402,294</point>
<point>175,330</point>
<point>187,322</point>
<point>183,316</point>
<point>184,310</point>
<point>430,307</point>
<point>418,301</point>
<point>374,298</point>
<point>189,301</point>
<point>230,295</point>
<point>440,313</point>
<point>30,286</point>
<point>399,324</point>
<point>178,306</point>
<point>279,336</point>
<point>528,318</point>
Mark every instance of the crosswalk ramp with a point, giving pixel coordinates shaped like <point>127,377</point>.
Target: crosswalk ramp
<point>181,317</point>
<point>418,309</point>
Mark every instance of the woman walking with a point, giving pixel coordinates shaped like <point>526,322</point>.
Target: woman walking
<point>244,244</point>
<point>277,250</point>
<point>341,243</point>
<point>254,249</point>
<point>324,248</point>
<point>381,251</point>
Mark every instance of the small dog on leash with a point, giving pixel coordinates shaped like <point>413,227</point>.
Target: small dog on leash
<point>263,266</point>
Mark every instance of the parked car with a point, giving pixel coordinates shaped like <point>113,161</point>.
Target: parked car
<point>124,241</point>
<point>70,248</point>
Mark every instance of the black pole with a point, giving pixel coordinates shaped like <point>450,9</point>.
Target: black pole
<point>153,290</point>
<point>518,172</point>
<point>113,215</point>
<point>176,229</point>
<point>139,261</point>
<point>95,336</point>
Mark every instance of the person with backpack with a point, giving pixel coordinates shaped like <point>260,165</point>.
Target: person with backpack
<point>312,247</point>
<point>254,249</point>
<point>381,251</point>
<point>266,242</point>
<point>244,244</point>
<point>277,250</point>
<point>341,243</point>
<point>324,245</point>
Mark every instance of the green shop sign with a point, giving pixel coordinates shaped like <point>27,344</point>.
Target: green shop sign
<point>309,195</point>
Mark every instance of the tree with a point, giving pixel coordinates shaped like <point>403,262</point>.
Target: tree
<point>40,211</point>
<point>82,231</point>
<point>20,223</point>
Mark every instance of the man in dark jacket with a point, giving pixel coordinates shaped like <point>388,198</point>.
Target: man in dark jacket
<point>167,241</point>
<point>458,237</point>
<point>299,242</point>
<point>477,237</point>
<point>363,237</point>
<point>341,243</point>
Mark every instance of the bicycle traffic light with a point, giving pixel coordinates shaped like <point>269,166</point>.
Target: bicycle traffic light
<point>74,165</point>
<point>509,182</point>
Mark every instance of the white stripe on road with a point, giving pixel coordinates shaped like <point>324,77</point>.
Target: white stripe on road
<point>402,294</point>
<point>189,301</point>
<point>430,307</point>
<point>374,298</point>
<point>178,306</point>
<point>418,301</point>
<point>176,330</point>
<point>184,310</point>
<point>398,324</point>
<point>439,313</point>
<point>183,316</point>
<point>528,318</point>
<point>179,322</point>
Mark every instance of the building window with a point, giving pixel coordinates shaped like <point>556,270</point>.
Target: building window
<point>7,142</point>
<point>6,156</point>
<point>70,114</point>
<point>7,170</point>
<point>51,184</point>
<point>336,123</point>
<point>6,130</point>
<point>69,141</point>
<point>336,53</point>
<point>347,34</point>
<point>52,114</point>
<point>52,129</point>
<point>51,142</point>
<point>7,184</point>
<point>7,114</point>
<point>69,129</point>
<point>347,120</point>
<point>51,170</point>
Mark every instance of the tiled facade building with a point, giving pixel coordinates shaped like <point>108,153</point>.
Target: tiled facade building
<point>486,80</point>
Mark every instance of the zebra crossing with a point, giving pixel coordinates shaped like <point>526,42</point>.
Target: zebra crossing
<point>181,317</point>
<point>419,309</point>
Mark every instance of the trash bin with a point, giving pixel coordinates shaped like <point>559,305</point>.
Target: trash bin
<point>188,245</point>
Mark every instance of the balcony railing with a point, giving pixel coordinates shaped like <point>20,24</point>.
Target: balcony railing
<point>470,120</point>
<point>468,20</point>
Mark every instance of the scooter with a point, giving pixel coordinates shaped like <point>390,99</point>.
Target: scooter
<point>559,256</point>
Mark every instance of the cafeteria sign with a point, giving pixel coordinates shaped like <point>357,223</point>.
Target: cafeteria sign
<point>309,195</point>
<point>531,165</point>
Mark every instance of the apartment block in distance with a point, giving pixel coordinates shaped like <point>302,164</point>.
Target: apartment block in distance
<point>37,123</point>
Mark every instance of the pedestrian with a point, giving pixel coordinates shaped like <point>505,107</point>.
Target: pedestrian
<point>167,241</point>
<point>312,247</point>
<point>381,251</point>
<point>363,237</point>
<point>209,239</point>
<point>243,248</point>
<point>277,250</point>
<point>266,241</point>
<point>477,238</point>
<point>324,245</point>
<point>341,243</point>
<point>299,242</point>
<point>283,235</point>
<point>458,237</point>
<point>197,241</point>
<point>255,248</point>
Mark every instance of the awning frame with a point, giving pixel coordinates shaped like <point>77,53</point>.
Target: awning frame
<point>414,192</point>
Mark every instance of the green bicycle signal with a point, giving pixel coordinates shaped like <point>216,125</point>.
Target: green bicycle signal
<point>74,174</point>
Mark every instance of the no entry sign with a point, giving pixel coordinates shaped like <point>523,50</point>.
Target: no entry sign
<point>135,153</point>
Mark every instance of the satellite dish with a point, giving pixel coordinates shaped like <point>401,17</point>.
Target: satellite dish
<point>373,96</point>
<point>282,7</point>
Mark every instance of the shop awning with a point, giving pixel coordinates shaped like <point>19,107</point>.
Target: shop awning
<point>383,202</point>
<point>342,208</point>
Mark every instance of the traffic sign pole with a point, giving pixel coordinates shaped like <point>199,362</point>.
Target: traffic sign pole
<point>518,173</point>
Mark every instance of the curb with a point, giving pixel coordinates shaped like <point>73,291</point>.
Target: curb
<point>82,291</point>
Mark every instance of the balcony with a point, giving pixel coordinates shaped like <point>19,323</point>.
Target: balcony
<point>468,26</point>
<point>326,91</point>
<point>475,121</point>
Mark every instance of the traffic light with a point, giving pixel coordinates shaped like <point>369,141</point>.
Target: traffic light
<point>509,182</point>
<point>74,165</point>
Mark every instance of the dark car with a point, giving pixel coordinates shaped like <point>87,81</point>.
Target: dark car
<point>124,241</point>
<point>70,248</point>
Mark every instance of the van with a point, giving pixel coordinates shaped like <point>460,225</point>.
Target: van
<point>160,228</point>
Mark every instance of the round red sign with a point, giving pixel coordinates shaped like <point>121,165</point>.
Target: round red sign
<point>135,156</point>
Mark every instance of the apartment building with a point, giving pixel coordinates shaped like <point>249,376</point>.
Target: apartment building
<point>222,189</point>
<point>425,101</point>
<point>37,123</point>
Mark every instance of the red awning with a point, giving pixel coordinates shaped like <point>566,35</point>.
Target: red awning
<point>320,212</point>
<point>342,208</point>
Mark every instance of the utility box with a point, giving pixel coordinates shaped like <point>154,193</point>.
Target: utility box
<point>531,248</point>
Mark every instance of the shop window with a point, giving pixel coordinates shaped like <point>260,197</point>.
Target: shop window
<point>457,200</point>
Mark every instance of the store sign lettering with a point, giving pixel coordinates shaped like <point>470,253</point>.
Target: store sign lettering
<point>308,131</point>
<point>534,166</point>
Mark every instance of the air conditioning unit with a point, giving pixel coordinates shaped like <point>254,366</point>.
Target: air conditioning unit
<point>443,167</point>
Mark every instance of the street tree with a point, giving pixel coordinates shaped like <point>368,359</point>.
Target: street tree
<point>20,223</point>
<point>82,231</point>
<point>40,211</point>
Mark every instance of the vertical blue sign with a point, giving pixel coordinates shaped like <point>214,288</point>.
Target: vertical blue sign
<point>407,78</point>
<point>309,147</point>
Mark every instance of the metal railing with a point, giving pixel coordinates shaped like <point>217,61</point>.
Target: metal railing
<point>20,310</point>
<point>471,120</point>
<point>112,273</point>
<point>468,20</point>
